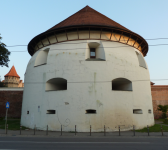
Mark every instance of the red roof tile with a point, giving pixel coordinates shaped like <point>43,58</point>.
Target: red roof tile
<point>12,73</point>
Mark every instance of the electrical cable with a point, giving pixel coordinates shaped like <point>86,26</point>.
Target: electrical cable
<point>97,81</point>
<point>88,48</point>
<point>86,42</point>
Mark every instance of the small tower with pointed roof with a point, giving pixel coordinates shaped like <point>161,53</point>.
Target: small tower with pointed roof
<point>12,79</point>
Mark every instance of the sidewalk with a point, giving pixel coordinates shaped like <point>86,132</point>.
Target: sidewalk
<point>30,133</point>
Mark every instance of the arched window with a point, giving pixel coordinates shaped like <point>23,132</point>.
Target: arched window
<point>141,60</point>
<point>56,84</point>
<point>41,58</point>
<point>121,84</point>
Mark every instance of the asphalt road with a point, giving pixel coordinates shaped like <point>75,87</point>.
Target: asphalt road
<point>120,143</point>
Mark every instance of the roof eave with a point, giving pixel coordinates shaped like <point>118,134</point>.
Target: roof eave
<point>36,38</point>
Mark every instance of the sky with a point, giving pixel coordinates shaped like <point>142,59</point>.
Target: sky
<point>22,20</point>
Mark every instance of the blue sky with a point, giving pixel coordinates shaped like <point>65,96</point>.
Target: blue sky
<point>22,20</point>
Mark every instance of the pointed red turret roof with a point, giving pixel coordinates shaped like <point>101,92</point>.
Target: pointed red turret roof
<point>88,16</point>
<point>12,73</point>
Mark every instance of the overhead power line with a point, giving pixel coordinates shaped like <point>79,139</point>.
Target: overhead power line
<point>100,47</point>
<point>86,42</point>
<point>97,81</point>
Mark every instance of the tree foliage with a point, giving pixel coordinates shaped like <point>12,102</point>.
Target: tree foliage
<point>2,84</point>
<point>164,109</point>
<point>4,54</point>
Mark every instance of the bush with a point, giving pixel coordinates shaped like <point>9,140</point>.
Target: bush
<point>164,115</point>
<point>1,118</point>
<point>165,121</point>
<point>164,109</point>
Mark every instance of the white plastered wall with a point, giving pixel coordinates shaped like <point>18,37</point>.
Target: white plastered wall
<point>89,87</point>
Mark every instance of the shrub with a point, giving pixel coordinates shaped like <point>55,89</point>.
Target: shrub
<point>163,109</point>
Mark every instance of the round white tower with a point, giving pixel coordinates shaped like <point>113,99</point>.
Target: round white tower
<point>87,70</point>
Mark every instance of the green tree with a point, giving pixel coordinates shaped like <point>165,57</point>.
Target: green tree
<point>2,84</point>
<point>4,54</point>
<point>164,109</point>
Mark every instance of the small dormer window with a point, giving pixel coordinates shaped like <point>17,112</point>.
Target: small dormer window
<point>92,53</point>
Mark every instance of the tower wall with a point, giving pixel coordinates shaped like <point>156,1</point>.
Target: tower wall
<point>89,86</point>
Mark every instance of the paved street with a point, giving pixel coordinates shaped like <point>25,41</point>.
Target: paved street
<point>83,141</point>
<point>76,143</point>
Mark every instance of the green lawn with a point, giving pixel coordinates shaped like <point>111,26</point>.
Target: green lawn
<point>155,128</point>
<point>13,124</point>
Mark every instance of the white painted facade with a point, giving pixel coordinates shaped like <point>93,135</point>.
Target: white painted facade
<point>89,86</point>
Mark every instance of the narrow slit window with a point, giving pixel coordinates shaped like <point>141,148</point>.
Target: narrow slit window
<point>92,53</point>
<point>90,111</point>
<point>137,111</point>
<point>51,111</point>
<point>27,112</point>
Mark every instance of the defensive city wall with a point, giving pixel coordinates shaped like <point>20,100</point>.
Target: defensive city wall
<point>159,97</point>
<point>14,97</point>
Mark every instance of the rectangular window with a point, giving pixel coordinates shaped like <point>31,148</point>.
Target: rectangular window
<point>92,53</point>
<point>137,111</point>
<point>90,111</point>
<point>27,112</point>
<point>51,112</point>
<point>149,111</point>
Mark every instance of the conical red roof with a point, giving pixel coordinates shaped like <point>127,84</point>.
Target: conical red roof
<point>12,73</point>
<point>88,16</point>
<point>86,19</point>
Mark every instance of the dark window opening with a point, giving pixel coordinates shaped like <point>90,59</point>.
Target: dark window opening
<point>27,112</point>
<point>90,111</point>
<point>92,53</point>
<point>121,84</point>
<point>137,111</point>
<point>56,84</point>
<point>149,111</point>
<point>50,111</point>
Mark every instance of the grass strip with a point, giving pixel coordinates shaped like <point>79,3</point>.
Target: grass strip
<point>155,128</point>
<point>12,125</point>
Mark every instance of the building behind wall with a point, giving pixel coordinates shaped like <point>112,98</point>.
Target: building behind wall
<point>12,79</point>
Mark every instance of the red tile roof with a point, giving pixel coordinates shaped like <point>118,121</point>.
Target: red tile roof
<point>86,19</point>
<point>12,73</point>
<point>88,16</point>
